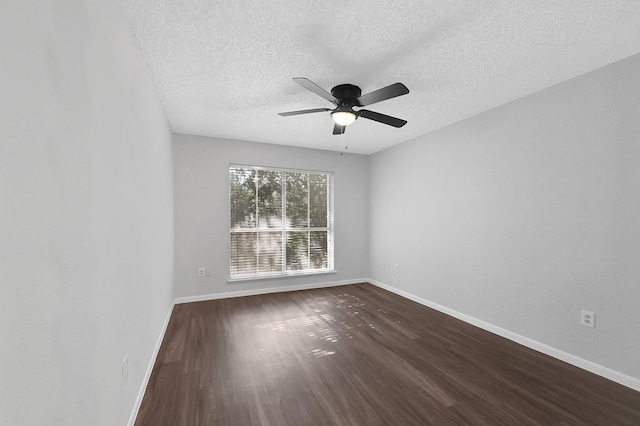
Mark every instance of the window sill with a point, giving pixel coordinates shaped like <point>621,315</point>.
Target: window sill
<point>281,275</point>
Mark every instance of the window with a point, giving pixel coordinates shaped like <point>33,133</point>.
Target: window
<point>281,222</point>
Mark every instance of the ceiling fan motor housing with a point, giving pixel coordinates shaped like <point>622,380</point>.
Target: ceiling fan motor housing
<point>347,94</point>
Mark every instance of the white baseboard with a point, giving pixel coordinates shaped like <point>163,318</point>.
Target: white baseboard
<point>584,364</point>
<point>241,293</point>
<point>147,376</point>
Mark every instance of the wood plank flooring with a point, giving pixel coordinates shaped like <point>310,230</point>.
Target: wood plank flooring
<point>359,355</point>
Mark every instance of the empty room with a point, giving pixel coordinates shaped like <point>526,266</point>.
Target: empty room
<point>319,213</point>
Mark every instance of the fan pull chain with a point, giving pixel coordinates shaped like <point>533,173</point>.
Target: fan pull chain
<point>342,143</point>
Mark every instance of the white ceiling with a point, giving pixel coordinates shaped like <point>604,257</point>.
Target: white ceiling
<point>224,68</point>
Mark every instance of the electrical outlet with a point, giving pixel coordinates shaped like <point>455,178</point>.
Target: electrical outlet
<point>125,369</point>
<point>397,267</point>
<point>202,272</point>
<point>588,319</point>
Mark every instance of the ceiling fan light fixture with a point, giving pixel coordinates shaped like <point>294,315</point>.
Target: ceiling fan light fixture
<point>343,116</point>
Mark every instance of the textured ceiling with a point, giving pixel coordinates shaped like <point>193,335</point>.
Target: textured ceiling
<point>224,68</point>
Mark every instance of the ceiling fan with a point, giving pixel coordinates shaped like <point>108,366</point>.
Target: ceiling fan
<point>347,96</point>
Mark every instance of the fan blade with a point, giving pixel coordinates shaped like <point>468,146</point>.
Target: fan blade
<point>381,118</point>
<point>310,85</point>
<point>397,89</point>
<point>338,129</point>
<point>303,111</point>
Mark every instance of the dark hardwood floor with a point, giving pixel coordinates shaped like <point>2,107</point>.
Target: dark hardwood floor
<point>359,355</point>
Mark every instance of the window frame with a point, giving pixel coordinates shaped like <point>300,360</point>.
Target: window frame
<point>329,229</point>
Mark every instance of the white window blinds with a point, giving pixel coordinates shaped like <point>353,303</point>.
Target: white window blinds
<point>281,222</point>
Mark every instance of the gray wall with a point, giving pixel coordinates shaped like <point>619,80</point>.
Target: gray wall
<point>201,167</point>
<point>86,215</point>
<point>524,215</point>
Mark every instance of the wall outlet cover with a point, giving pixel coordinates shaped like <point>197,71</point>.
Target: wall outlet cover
<point>588,319</point>
<point>125,369</point>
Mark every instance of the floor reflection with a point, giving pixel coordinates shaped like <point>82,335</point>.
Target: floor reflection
<point>337,318</point>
